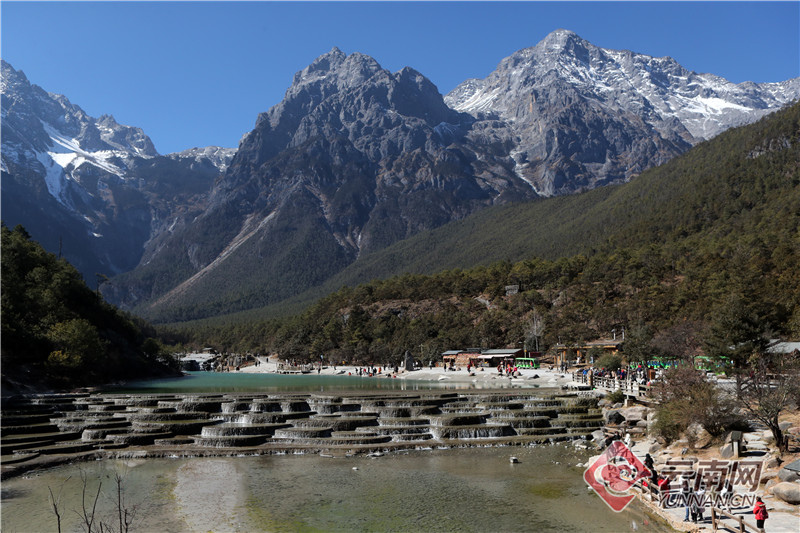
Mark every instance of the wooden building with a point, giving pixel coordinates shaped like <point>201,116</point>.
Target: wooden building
<point>480,358</point>
<point>572,352</point>
<point>460,358</point>
<point>492,358</point>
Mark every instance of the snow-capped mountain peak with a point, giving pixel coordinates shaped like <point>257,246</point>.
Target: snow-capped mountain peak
<point>98,185</point>
<point>656,88</point>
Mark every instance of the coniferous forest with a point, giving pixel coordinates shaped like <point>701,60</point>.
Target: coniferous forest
<point>58,333</point>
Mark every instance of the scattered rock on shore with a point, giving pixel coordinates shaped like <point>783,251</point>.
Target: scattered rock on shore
<point>788,492</point>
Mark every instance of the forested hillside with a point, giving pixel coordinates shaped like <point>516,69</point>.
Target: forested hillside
<point>661,256</point>
<point>57,333</point>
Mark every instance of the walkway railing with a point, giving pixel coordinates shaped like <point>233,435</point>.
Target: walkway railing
<point>628,386</point>
<point>649,493</point>
<point>742,526</point>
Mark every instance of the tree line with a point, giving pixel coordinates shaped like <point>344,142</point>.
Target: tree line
<point>58,333</point>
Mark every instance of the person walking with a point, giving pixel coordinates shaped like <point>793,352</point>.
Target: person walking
<point>686,493</point>
<point>701,503</point>
<point>760,512</point>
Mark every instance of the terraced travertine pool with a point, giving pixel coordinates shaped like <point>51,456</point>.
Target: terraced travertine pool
<point>349,460</point>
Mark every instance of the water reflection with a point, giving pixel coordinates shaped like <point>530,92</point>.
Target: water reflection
<point>433,490</point>
<point>211,382</point>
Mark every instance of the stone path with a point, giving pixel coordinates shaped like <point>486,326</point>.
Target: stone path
<point>783,520</point>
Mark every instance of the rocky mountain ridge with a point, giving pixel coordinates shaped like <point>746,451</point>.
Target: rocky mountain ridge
<point>586,116</point>
<point>353,159</point>
<point>90,187</point>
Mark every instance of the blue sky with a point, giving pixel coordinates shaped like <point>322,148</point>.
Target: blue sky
<point>198,73</point>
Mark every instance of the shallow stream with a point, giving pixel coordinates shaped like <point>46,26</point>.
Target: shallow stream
<point>470,489</point>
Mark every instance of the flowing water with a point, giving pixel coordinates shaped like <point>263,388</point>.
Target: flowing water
<point>464,490</point>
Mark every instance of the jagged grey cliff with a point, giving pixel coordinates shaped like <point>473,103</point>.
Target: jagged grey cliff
<point>582,116</point>
<point>353,159</point>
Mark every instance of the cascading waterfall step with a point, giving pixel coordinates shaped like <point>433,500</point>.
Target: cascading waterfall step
<point>337,423</point>
<point>519,422</point>
<point>82,424</point>
<point>91,435</point>
<point>479,431</point>
<point>293,423</point>
<point>176,427</point>
<point>28,445</point>
<point>16,458</point>
<point>138,439</point>
<point>44,427</point>
<point>24,419</point>
<point>548,430</point>
<point>404,421</point>
<point>411,437</point>
<point>399,430</point>
<point>302,434</point>
<point>64,448</point>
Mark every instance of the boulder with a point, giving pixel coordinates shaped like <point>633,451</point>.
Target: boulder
<point>726,452</point>
<point>794,465</point>
<point>782,507</point>
<point>654,448</point>
<point>788,492</point>
<point>702,438</point>
<point>785,425</point>
<point>784,474</point>
<point>614,417</point>
<point>634,414</point>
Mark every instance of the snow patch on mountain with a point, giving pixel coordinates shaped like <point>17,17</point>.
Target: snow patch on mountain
<point>54,177</point>
<point>67,152</point>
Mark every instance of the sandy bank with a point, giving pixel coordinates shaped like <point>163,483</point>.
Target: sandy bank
<point>487,377</point>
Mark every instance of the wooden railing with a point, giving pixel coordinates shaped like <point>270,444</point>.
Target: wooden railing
<point>743,526</point>
<point>648,492</point>
<point>629,386</point>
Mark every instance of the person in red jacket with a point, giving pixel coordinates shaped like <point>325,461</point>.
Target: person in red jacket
<point>760,512</point>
